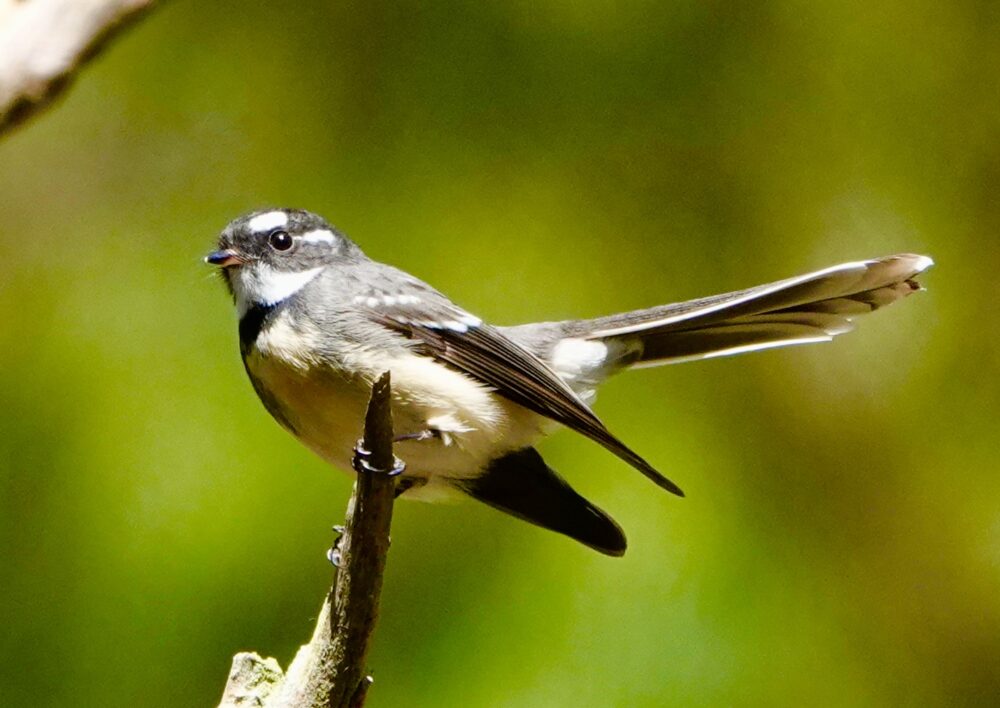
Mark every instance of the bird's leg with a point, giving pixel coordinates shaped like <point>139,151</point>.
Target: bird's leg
<point>426,434</point>
<point>361,465</point>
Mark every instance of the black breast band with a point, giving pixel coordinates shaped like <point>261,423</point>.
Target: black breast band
<point>251,324</point>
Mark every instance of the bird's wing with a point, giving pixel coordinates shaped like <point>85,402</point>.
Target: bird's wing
<point>463,341</point>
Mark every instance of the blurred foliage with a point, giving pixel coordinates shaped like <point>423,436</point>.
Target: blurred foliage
<point>840,543</point>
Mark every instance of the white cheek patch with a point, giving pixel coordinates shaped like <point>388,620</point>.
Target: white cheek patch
<point>261,284</point>
<point>317,236</point>
<point>267,221</point>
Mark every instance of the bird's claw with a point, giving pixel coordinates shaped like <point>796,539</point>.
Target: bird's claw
<point>361,462</point>
<point>334,556</point>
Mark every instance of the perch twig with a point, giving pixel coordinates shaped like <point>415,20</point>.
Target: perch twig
<point>331,669</point>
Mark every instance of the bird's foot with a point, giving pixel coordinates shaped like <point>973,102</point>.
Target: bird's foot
<point>334,554</point>
<point>361,462</point>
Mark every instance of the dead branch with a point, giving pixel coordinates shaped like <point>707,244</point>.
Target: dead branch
<point>331,669</point>
<point>44,43</point>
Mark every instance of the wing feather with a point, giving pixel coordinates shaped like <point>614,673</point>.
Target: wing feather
<point>461,340</point>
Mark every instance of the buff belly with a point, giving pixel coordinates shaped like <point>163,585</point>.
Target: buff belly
<point>324,407</point>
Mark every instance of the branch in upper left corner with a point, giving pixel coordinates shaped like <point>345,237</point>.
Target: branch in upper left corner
<point>44,43</point>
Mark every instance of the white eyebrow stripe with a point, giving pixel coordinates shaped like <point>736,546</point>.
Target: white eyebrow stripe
<point>267,221</point>
<point>318,236</point>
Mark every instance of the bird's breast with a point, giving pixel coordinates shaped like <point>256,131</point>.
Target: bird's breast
<point>322,401</point>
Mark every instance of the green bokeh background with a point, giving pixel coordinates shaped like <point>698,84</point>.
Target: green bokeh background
<point>840,543</point>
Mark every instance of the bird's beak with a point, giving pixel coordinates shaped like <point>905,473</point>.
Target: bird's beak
<point>225,258</point>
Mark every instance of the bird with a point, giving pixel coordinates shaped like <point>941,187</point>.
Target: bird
<point>320,321</point>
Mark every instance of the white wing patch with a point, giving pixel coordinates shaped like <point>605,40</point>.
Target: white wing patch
<point>404,309</point>
<point>386,300</point>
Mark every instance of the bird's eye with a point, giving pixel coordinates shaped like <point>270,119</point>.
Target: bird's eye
<point>280,240</point>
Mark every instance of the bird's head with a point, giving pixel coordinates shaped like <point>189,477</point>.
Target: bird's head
<point>268,255</point>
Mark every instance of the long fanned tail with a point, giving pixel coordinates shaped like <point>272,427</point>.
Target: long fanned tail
<point>814,307</point>
<point>809,308</point>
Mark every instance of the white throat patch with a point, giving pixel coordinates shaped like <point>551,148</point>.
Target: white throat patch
<point>261,284</point>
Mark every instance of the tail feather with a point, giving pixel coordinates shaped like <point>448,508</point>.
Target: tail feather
<point>521,484</point>
<point>809,308</point>
<point>725,340</point>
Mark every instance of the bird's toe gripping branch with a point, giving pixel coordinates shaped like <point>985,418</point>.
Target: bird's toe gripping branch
<point>361,462</point>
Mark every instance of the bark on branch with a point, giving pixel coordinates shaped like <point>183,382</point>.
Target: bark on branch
<point>330,670</point>
<point>43,43</point>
